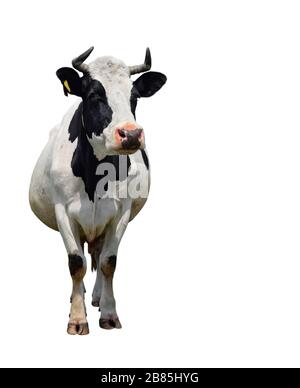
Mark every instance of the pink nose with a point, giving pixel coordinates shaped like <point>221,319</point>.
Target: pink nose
<point>129,136</point>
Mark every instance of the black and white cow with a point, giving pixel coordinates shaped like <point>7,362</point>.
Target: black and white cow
<point>92,177</point>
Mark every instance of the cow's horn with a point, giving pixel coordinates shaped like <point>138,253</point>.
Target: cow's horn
<point>144,67</point>
<point>78,61</point>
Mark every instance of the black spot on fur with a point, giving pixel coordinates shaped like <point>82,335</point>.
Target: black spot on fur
<point>84,163</point>
<point>96,112</point>
<point>145,159</point>
<point>75,127</point>
<point>112,261</point>
<point>75,264</point>
<point>108,265</point>
<point>133,99</point>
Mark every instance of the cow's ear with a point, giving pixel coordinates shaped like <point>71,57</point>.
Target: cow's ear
<point>70,80</point>
<point>149,83</point>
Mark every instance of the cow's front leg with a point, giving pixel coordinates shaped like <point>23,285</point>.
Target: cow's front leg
<point>77,322</point>
<point>109,318</point>
<point>108,258</point>
<point>77,266</point>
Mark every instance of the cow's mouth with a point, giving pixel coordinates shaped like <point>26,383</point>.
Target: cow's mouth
<point>131,144</point>
<point>127,151</point>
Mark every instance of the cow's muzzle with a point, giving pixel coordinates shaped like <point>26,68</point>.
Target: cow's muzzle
<point>129,139</point>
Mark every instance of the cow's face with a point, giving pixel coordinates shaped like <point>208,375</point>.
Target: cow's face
<point>109,99</point>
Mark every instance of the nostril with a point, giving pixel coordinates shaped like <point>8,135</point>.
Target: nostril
<point>122,133</point>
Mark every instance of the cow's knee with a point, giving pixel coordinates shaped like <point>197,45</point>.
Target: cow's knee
<point>77,266</point>
<point>108,265</point>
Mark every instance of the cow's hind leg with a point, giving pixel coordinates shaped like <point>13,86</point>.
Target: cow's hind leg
<point>77,266</point>
<point>95,249</point>
<point>108,258</point>
<point>96,297</point>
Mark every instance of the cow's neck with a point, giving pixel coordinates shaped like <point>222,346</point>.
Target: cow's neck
<point>84,163</point>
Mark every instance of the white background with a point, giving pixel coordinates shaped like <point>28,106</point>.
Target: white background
<point>208,274</point>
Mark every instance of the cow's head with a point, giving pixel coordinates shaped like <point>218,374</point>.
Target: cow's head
<point>109,99</point>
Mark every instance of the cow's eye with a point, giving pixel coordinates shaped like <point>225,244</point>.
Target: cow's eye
<point>94,96</point>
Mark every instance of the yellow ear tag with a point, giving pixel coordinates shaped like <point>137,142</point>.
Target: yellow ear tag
<point>67,86</point>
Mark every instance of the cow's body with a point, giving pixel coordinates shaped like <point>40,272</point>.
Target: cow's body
<point>53,182</point>
<point>65,193</point>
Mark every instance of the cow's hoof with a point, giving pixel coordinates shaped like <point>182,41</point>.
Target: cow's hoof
<point>110,323</point>
<point>78,328</point>
<point>96,302</point>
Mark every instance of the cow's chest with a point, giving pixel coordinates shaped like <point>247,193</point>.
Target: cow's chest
<point>93,217</point>
<point>102,197</point>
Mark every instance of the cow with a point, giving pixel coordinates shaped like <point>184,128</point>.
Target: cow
<point>92,177</point>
